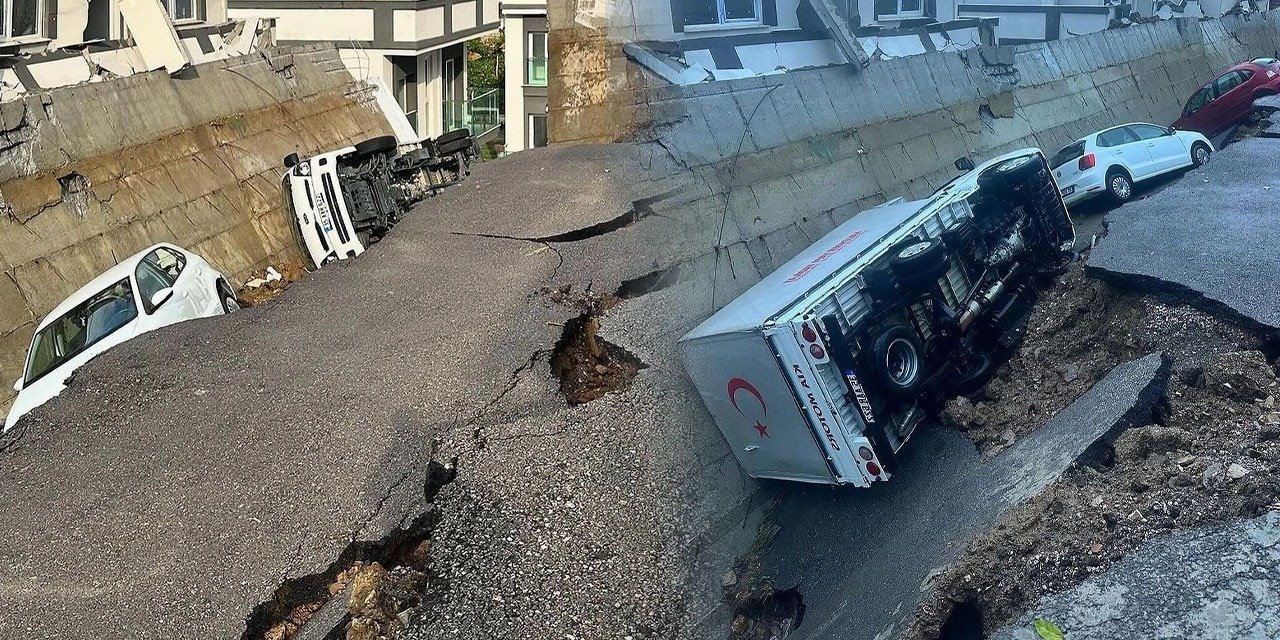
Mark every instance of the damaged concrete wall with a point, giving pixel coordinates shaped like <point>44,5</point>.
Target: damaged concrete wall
<point>96,172</point>
<point>819,145</point>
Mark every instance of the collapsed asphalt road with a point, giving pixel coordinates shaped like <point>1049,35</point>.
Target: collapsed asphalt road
<point>214,474</point>
<point>860,557</point>
<point>1216,231</point>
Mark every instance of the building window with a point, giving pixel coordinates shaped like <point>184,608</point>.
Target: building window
<point>698,13</point>
<point>405,86</point>
<point>21,18</point>
<point>185,9</point>
<point>537,130</point>
<point>899,8</point>
<point>536,74</point>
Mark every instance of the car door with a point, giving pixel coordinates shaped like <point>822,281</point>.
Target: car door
<point>1233,101</point>
<point>1166,150</point>
<point>1198,114</point>
<point>1124,148</point>
<point>162,269</point>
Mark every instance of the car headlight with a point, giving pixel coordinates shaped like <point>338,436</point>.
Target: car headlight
<point>303,168</point>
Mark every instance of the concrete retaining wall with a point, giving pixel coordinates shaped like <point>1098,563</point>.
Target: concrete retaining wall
<point>99,171</point>
<point>817,146</point>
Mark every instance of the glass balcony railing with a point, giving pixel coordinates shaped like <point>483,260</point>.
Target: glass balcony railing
<point>538,72</point>
<point>481,114</point>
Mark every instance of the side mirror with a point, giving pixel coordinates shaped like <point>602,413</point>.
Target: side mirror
<point>291,160</point>
<point>17,386</point>
<point>162,296</point>
<point>1168,131</point>
<point>964,164</point>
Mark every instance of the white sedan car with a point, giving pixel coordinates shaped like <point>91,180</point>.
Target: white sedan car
<point>1111,161</point>
<point>157,286</point>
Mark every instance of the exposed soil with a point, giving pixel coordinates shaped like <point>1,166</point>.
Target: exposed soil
<point>1078,331</point>
<point>589,366</point>
<point>372,593</point>
<point>1211,455</point>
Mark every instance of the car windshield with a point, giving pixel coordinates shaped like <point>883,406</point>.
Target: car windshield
<point>90,321</point>
<point>1067,154</point>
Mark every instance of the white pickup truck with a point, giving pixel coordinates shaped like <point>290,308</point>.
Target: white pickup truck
<point>346,199</point>
<point>822,370</point>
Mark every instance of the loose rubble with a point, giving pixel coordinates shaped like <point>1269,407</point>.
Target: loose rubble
<point>1210,456</point>
<point>1078,331</point>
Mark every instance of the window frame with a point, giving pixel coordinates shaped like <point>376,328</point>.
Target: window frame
<point>1099,141</point>
<point>6,21</point>
<point>529,57</point>
<point>198,11</point>
<point>160,272</point>
<point>1134,129</point>
<point>723,22</point>
<point>900,13</point>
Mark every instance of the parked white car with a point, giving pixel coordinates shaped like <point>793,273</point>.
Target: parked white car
<point>155,287</point>
<point>1111,161</point>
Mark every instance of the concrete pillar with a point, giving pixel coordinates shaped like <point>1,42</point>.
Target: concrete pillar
<point>513,62</point>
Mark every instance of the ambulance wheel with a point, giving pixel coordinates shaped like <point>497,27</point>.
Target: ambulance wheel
<point>898,364</point>
<point>971,378</point>
<point>918,262</point>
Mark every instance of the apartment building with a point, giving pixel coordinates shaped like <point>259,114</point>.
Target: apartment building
<point>416,47</point>
<point>524,24</point>
<point>38,25</point>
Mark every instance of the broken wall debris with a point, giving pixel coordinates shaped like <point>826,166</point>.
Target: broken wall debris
<point>195,162</point>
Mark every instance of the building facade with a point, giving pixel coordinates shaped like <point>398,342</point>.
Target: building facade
<point>525,27</point>
<point>417,48</point>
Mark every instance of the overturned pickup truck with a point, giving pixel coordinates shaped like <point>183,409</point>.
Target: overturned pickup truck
<point>347,199</point>
<point>822,370</point>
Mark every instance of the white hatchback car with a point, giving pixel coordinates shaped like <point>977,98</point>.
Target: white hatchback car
<point>1112,160</point>
<point>157,286</point>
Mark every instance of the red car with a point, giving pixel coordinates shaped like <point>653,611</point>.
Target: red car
<point>1228,98</point>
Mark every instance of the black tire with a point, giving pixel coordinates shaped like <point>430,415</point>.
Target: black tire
<point>898,361</point>
<point>1013,171</point>
<point>916,262</point>
<point>1200,154</point>
<point>456,134</point>
<point>1119,186</point>
<point>454,146</point>
<point>229,302</point>
<point>972,377</point>
<point>374,146</point>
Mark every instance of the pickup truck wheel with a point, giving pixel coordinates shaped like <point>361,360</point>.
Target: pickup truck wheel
<point>456,134</point>
<point>454,146</point>
<point>380,144</point>
<point>916,262</point>
<point>899,366</point>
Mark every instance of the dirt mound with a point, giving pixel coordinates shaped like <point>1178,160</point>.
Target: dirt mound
<point>1213,457</point>
<point>1078,331</point>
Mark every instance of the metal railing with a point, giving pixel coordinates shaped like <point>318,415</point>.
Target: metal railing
<point>481,113</point>
<point>537,72</point>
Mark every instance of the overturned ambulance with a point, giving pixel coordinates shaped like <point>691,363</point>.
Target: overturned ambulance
<point>822,370</point>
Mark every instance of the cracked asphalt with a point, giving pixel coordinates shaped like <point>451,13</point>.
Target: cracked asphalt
<point>185,475</point>
<point>1215,583</point>
<point>1217,231</point>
